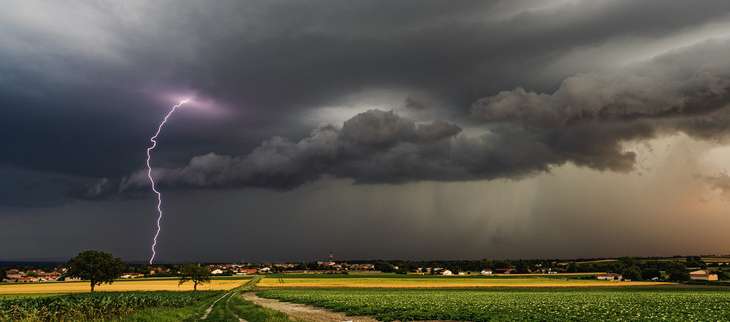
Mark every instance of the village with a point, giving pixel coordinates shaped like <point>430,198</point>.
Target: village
<point>623,269</point>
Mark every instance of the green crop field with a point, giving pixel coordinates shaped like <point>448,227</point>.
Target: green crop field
<point>100,305</point>
<point>520,304</point>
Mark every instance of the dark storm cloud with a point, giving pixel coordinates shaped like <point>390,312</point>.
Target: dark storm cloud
<point>68,70</point>
<point>584,122</point>
<point>687,83</point>
<point>374,143</point>
<point>315,52</point>
<point>590,115</point>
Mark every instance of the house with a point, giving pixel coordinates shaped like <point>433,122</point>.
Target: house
<point>447,272</point>
<point>609,277</point>
<point>217,271</point>
<point>504,270</point>
<point>132,275</point>
<point>486,272</point>
<point>702,275</point>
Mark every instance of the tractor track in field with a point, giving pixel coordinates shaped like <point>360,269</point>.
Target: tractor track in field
<point>304,312</point>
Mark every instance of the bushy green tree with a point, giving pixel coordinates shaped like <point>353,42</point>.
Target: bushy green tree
<point>631,273</point>
<point>3,274</point>
<point>628,261</point>
<point>196,274</point>
<point>384,267</point>
<point>502,264</point>
<point>650,272</point>
<point>677,271</point>
<point>572,267</point>
<point>522,267</point>
<point>96,267</point>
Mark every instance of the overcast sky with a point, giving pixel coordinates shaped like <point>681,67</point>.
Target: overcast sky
<point>372,129</point>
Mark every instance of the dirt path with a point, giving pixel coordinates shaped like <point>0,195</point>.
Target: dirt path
<point>303,312</point>
<point>205,316</point>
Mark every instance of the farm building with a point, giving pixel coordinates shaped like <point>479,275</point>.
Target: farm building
<point>702,275</point>
<point>447,272</point>
<point>486,272</point>
<point>610,277</point>
<point>132,275</point>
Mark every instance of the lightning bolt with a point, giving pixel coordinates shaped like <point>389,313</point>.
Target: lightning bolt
<point>152,181</point>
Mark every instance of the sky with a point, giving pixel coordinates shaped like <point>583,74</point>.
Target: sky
<point>414,130</point>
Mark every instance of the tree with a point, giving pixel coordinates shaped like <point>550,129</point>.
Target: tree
<point>384,267</point>
<point>650,272</point>
<point>572,267</point>
<point>501,264</point>
<point>195,273</point>
<point>677,271</point>
<point>96,267</point>
<point>3,274</point>
<point>628,261</point>
<point>522,267</point>
<point>631,273</point>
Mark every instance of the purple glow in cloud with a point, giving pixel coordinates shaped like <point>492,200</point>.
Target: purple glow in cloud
<point>152,181</point>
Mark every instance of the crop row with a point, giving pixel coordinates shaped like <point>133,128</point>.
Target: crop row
<point>73,307</point>
<point>521,305</point>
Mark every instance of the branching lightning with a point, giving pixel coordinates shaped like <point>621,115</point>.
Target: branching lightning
<point>152,181</point>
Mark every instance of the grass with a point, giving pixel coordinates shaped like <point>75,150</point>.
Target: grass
<point>232,306</point>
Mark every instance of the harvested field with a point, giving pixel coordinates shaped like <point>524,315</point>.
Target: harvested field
<point>121,285</point>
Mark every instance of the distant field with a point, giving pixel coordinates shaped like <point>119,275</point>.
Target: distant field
<point>425,281</point>
<point>119,285</point>
<point>666,259</point>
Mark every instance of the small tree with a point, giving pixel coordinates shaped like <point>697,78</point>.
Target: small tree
<point>195,273</point>
<point>96,267</point>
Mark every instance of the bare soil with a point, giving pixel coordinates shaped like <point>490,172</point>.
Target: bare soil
<point>301,312</point>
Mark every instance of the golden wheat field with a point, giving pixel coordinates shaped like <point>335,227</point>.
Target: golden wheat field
<point>120,285</point>
<point>299,281</point>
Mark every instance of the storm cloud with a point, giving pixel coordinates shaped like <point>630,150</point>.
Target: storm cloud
<point>584,122</point>
<point>473,122</point>
<point>373,144</point>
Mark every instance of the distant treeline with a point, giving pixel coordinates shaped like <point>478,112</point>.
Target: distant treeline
<point>676,268</point>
